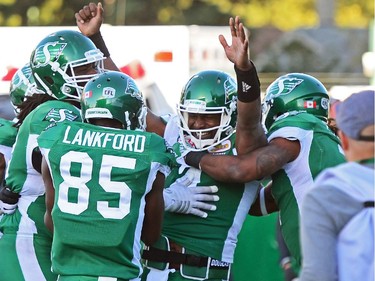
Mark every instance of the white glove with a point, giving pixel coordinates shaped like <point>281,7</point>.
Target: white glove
<point>7,208</point>
<point>185,199</point>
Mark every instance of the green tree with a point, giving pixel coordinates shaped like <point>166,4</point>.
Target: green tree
<point>284,15</point>
<point>292,14</point>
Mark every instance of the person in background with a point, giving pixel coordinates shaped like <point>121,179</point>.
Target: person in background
<point>117,172</point>
<point>337,245</point>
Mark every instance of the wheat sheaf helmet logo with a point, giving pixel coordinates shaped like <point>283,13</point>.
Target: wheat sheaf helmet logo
<point>24,76</point>
<point>285,86</point>
<point>229,88</point>
<point>48,52</point>
<point>132,88</point>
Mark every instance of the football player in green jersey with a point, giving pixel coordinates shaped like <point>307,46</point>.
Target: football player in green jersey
<point>22,86</point>
<point>215,236</point>
<point>301,145</point>
<point>189,199</point>
<point>104,179</point>
<point>191,248</point>
<point>7,138</point>
<point>61,64</point>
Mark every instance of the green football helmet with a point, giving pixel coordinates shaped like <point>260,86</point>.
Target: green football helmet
<point>58,57</point>
<point>114,95</point>
<point>293,93</point>
<point>21,86</point>
<point>208,92</point>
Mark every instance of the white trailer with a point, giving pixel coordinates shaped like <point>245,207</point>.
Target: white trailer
<point>160,58</point>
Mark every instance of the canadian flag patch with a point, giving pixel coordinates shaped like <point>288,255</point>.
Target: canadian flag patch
<point>309,104</point>
<point>88,94</point>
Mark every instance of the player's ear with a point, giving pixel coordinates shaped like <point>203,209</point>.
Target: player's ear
<point>344,140</point>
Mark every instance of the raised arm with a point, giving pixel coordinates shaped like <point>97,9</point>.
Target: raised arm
<point>89,20</point>
<point>249,133</point>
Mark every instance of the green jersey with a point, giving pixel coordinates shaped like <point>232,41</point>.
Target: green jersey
<point>22,177</point>
<point>26,243</point>
<point>216,235</point>
<point>101,177</point>
<point>319,149</point>
<point>8,135</point>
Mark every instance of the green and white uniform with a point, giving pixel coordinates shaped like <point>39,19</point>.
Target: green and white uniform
<point>216,235</point>
<point>320,149</point>
<point>26,243</point>
<point>8,135</point>
<point>101,177</point>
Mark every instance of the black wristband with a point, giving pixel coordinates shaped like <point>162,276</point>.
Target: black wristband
<point>99,43</point>
<point>193,158</point>
<point>248,84</point>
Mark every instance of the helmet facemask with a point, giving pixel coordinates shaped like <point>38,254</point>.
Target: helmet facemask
<point>74,83</point>
<point>193,139</point>
<point>207,92</point>
<point>142,119</point>
<point>78,81</point>
<point>64,62</point>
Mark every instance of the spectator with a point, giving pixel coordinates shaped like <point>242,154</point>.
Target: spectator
<point>337,196</point>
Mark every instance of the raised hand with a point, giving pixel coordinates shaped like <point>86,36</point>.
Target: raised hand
<point>238,52</point>
<point>90,18</point>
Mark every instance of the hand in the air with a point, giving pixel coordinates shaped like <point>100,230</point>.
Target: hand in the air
<point>90,18</point>
<point>238,52</point>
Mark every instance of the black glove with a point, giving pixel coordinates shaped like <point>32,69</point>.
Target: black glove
<point>8,201</point>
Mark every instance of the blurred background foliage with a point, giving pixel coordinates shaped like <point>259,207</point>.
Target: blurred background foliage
<point>284,15</point>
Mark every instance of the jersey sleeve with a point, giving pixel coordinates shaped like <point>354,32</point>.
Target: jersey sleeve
<point>162,154</point>
<point>294,127</point>
<point>50,135</point>
<point>8,133</point>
